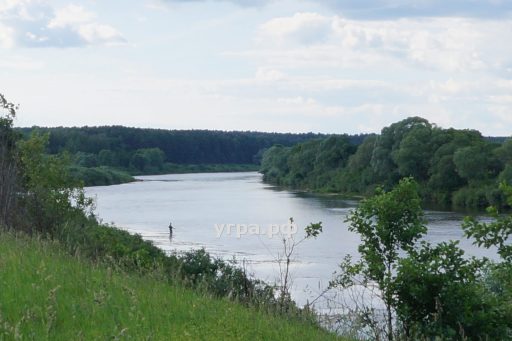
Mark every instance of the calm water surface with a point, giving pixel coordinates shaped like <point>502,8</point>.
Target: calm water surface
<point>195,203</point>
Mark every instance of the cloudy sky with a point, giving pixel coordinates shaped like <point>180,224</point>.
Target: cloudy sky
<point>334,66</point>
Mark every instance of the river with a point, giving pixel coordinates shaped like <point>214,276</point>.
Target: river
<point>199,205</point>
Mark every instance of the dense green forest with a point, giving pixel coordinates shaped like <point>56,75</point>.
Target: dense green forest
<point>458,168</point>
<point>110,155</point>
<point>124,147</point>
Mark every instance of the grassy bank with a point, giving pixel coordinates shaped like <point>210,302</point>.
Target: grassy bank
<point>105,176</point>
<point>174,168</point>
<point>47,294</point>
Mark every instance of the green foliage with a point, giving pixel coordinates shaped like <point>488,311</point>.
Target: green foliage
<point>506,174</point>
<point>504,152</point>
<point>99,176</point>
<point>389,224</point>
<point>156,151</point>
<point>9,164</point>
<point>86,160</point>
<point>172,168</point>
<point>114,146</point>
<point>51,196</point>
<point>440,293</point>
<point>476,162</point>
<point>313,230</point>
<point>430,292</point>
<point>108,158</point>
<point>495,233</point>
<point>315,164</point>
<point>193,269</point>
<point>413,153</point>
<point>147,160</point>
<point>443,293</point>
<point>274,164</point>
<point>453,167</point>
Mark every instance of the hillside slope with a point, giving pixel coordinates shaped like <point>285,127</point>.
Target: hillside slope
<point>47,294</point>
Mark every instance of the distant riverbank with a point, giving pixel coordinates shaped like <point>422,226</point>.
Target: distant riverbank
<point>106,176</point>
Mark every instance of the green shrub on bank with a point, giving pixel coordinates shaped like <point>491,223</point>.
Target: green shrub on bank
<point>100,176</point>
<point>195,269</point>
<point>105,176</point>
<point>479,197</point>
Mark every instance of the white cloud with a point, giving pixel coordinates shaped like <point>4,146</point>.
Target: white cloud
<point>304,28</point>
<point>94,33</point>
<point>35,23</point>
<point>320,71</point>
<point>448,44</point>
<point>6,36</point>
<point>71,15</point>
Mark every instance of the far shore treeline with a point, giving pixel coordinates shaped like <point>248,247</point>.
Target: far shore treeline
<point>455,168</point>
<point>118,145</point>
<point>111,154</point>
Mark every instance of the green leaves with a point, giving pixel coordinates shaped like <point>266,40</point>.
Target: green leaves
<point>313,230</point>
<point>453,167</point>
<point>388,223</point>
<point>443,293</point>
<point>52,195</point>
<point>9,107</point>
<point>495,233</point>
<point>9,179</point>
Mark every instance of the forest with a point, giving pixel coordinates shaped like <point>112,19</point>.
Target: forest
<point>455,168</point>
<point>122,146</point>
<point>110,155</point>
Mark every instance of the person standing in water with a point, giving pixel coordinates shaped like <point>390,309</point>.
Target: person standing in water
<point>170,229</point>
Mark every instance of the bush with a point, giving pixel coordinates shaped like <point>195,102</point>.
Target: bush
<point>99,176</point>
<point>470,197</point>
<point>195,269</point>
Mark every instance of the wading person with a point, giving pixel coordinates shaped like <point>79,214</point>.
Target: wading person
<point>170,229</point>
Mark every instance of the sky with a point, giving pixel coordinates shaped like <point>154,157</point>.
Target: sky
<point>330,66</point>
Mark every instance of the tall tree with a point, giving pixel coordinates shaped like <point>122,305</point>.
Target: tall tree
<point>8,161</point>
<point>389,224</point>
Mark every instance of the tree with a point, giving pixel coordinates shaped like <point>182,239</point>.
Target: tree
<point>414,153</point>
<point>387,147</point>
<point>51,196</point>
<point>8,162</point>
<point>86,159</point>
<point>274,164</point>
<point>107,157</point>
<point>477,162</point>
<point>389,224</point>
<point>504,152</point>
<point>147,159</point>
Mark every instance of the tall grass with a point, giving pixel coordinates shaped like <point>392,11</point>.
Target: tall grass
<point>47,294</point>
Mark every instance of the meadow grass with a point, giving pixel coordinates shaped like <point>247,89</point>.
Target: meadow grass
<point>47,294</point>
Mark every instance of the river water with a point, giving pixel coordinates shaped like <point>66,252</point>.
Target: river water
<point>199,205</point>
